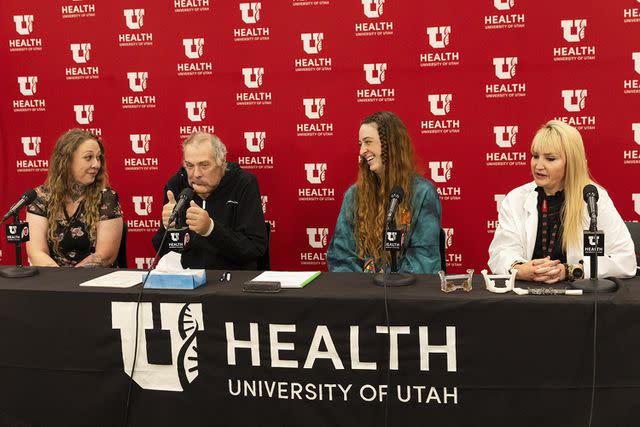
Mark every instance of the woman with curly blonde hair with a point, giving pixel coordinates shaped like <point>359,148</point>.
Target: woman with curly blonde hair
<point>76,218</point>
<point>386,160</point>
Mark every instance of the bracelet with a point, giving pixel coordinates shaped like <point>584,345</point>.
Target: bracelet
<point>568,272</point>
<point>514,264</point>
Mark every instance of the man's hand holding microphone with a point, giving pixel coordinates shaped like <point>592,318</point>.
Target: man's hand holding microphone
<point>197,219</point>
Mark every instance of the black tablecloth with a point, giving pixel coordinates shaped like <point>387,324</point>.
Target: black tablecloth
<point>513,360</point>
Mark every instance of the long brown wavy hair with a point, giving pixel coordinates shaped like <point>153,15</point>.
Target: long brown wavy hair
<point>372,191</point>
<point>60,180</point>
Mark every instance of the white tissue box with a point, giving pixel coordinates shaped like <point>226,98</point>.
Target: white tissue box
<point>189,279</point>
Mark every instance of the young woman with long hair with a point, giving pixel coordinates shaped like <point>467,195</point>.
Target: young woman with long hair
<point>386,160</point>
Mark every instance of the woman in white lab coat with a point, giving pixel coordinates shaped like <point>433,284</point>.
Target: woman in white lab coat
<point>541,223</point>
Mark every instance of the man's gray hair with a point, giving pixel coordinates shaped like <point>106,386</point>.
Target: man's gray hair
<point>218,147</point>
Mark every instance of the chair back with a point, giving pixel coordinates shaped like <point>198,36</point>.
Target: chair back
<point>121,260</point>
<point>634,229</point>
<point>443,261</point>
<point>264,262</point>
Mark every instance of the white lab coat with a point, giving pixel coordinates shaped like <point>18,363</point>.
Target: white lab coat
<point>515,237</point>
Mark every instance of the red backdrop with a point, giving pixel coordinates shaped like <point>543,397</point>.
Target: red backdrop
<point>286,83</point>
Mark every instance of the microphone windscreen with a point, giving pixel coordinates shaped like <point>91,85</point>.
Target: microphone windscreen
<point>29,196</point>
<point>590,190</point>
<point>397,193</point>
<point>187,193</point>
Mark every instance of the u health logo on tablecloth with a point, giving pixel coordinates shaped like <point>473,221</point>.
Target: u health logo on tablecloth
<point>172,371</point>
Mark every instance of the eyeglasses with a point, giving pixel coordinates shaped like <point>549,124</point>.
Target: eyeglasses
<point>490,281</point>
<point>452,282</point>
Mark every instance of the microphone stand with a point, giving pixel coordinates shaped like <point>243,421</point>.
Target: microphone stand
<point>393,278</point>
<point>394,260</point>
<point>179,226</point>
<point>593,284</point>
<point>19,270</point>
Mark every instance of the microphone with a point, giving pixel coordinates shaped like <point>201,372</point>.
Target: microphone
<point>26,199</point>
<point>590,194</point>
<point>185,196</point>
<point>397,194</point>
<point>393,242</point>
<point>593,247</point>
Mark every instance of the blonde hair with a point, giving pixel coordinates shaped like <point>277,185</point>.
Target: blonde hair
<point>558,137</point>
<point>372,191</point>
<point>60,179</point>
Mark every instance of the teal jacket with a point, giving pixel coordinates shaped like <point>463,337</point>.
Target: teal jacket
<point>422,248</point>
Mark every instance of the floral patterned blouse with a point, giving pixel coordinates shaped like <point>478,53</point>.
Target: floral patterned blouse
<point>72,231</point>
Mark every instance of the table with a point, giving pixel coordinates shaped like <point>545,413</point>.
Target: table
<point>317,356</point>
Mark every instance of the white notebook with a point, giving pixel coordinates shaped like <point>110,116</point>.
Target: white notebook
<point>288,279</point>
